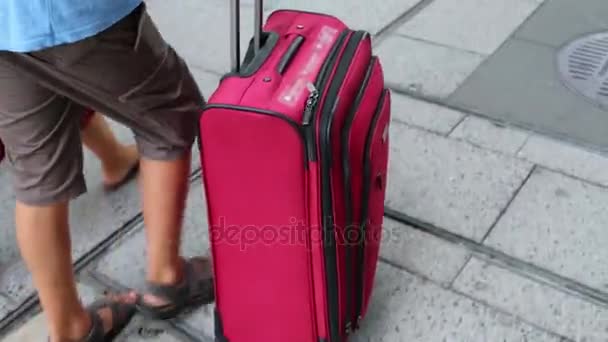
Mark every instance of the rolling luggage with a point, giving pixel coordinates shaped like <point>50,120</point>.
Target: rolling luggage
<point>294,152</point>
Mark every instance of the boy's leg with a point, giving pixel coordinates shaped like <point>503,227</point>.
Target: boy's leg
<point>119,162</point>
<point>41,134</point>
<point>131,74</point>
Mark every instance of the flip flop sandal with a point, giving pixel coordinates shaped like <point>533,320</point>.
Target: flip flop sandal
<point>130,175</point>
<point>196,289</point>
<point>121,316</point>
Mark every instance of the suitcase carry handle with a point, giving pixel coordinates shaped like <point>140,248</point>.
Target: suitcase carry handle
<point>235,31</point>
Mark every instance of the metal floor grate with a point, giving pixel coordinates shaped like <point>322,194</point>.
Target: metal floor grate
<point>583,67</point>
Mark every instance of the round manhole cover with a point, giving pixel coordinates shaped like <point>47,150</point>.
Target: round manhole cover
<point>583,66</point>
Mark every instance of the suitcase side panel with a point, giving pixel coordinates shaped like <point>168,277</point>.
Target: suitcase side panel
<point>351,78</point>
<point>375,181</point>
<point>355,133</point>
<point>338,94</point>
<point>327,86</point>
<point>255,180</point>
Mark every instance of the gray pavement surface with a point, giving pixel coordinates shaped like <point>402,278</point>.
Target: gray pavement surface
<point>495,228</point>
<point>531,91</point>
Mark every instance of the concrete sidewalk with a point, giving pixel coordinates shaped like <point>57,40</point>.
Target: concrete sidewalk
<point>495,214</point>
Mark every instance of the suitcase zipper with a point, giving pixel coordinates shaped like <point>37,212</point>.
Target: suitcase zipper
<point>326,117</point>
<point>349,221</point>
<point>308,117</point>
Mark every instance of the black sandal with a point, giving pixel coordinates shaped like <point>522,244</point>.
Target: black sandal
<point>195,289</point>
<point>122,314</point>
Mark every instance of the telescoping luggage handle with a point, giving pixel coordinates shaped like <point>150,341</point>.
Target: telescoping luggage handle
<point>235,31</point>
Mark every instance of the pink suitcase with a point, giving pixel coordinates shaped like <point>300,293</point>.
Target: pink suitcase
<point>294,152</point>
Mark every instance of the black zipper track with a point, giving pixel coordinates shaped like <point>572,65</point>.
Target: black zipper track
<point>255,110</point>
<point>365,200</point>
<point>348,198</point>
<point>327,113</point>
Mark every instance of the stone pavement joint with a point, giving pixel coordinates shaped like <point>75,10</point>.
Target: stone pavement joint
<point>451,288</point>
<point>514,264</point>
<point>467,112</point>
<point>393,25</point>
<point>508,205</point>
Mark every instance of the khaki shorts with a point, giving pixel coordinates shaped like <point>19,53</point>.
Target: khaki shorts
<point>127,72</point>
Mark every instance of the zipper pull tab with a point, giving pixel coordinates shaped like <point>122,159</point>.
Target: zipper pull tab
<point>311,87</point>
<point>311,102</point>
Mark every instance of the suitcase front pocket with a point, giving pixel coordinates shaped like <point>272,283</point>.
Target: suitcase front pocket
<point>375,170</point>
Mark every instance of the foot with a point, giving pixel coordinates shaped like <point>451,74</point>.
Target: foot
<point>123,169</point>
<point>107,318</point>
<point>164,302</point>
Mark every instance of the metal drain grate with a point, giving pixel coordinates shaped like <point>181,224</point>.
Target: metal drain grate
<point>583,66</point>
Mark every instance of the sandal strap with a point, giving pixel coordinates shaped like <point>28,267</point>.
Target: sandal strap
<point>188,291</point>
<point>120,317</point>
<point>96,334</point>
<point>173,293</point>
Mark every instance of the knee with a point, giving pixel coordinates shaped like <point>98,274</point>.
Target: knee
<point>172,139</point>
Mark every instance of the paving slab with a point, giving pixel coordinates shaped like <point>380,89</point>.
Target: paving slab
<point>199,30</point>
<point>35,328</point>
<point>359,14</point>
<point>6,305</point>
<point>207,82</point>
<point>544,306</point>
<point>473,25</point>
<point>450,183</point>
<point>558,223</point>
<point>139,331</point>
<point>489,135</point>
<point>8,249</point>
<point>423,114</point>
<point>519,84</point>
<point>425,68</point>
<point>406,308</point>
<point>202,322</point>
<point>421,253</point>
<point>203,33</point>
<point>559,21</point>
<point>567,158</point>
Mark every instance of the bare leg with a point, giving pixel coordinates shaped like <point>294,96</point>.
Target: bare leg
<point>44,240</point>
<point>163,208</point>
<point>116,159</point>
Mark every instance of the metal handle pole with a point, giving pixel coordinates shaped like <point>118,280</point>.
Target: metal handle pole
<point>258,15</point>
<point>235,34</point>
<point>235,31</point>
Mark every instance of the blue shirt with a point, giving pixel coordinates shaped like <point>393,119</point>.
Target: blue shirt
<point>30,25</point>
